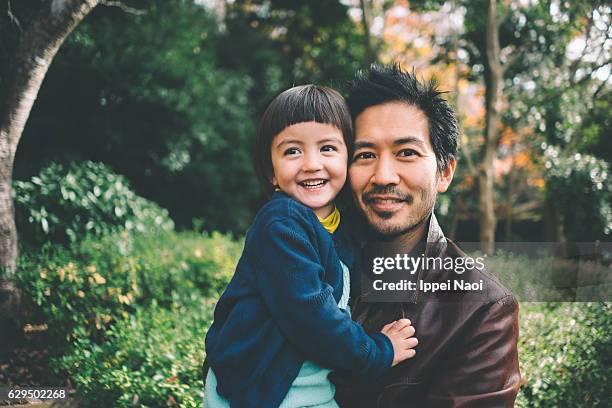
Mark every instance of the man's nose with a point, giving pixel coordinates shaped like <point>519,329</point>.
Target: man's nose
<point>312,162</point>
<point>385,173</point>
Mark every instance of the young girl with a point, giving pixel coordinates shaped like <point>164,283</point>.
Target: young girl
<point>284,316</point>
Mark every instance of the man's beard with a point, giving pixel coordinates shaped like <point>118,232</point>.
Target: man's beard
<point>382,224</point>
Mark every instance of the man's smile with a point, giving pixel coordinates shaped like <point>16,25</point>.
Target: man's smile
<point>386,202</point>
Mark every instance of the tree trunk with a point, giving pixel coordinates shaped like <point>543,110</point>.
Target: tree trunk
<point>32,58</point>
<point>36,49</point>
<point>485,206</point>
<point>494,83</point>
<point>370,54</point>
<point>552,221</point>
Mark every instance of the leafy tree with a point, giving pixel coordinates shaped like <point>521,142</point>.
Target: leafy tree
<point>281,43</point>
<point>506,43</point>
<point>29,61</point>
<point>581,190</point>
<point>20,80</point>
<point>169,96</point>
<point>144,93</point>
<point>562,96</point>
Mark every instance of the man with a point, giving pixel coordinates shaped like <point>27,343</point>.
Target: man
<point>405,148</point>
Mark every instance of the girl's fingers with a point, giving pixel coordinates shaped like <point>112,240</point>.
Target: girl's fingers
<point>407,354</point>
<point>408,331</point>
<point>400,324</point>
<point>411,343</point>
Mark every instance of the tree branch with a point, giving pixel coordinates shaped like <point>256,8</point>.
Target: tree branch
<point>602,85</point>
<point>575,65</point>
<point>11,16</point>
<point>593,68</point>
<point>123,7</point>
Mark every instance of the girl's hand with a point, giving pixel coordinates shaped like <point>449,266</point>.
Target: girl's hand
<point>400,333</point>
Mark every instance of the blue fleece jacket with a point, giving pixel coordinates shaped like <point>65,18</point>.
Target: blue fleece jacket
<point>281,308</point>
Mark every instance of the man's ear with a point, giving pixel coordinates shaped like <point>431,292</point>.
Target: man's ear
<point>446,175</point>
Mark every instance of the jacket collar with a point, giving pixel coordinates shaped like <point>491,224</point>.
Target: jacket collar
<point>278,194</point>
<point>436,241</point>
<point>435,246</point>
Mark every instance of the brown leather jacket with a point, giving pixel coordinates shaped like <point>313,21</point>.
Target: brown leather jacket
<point>467,353</point>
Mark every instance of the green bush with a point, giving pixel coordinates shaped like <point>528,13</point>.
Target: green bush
<point>565,353</point>
<point>132,310</point>
<point>73,295</point>
<point>81,290</point>
<point>151,359</point>
<point>582,191</point>
<point>183,265</point>
<point>127,313</point>
<point>62,204</point>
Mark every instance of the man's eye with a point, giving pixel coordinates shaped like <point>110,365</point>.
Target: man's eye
<point>363,155</point>
<point>407,153</point>
<point>292,150</point>
<point>329,148</point>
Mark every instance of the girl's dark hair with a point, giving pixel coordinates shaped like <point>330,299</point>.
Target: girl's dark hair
<point>305,103</point>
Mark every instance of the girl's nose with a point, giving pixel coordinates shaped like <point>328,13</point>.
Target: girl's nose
<point>312,162</point>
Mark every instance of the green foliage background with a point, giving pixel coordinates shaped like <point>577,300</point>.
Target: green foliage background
<point>170,97</point>
<point>565,353</point>
<point>126,313</point>
<point>126,309</point>
<point>143,112</point>
<point>128,316</point>
<point>62,204</point>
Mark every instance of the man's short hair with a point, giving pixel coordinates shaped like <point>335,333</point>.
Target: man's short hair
<point>389,83</point>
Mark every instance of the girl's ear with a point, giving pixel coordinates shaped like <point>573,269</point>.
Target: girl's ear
<point>272,180</point>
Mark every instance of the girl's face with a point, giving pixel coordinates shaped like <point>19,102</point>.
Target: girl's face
<point>309,160</point>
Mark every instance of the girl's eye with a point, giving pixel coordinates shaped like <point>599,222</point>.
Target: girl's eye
<point>407,153</point>
<point>291,151</point>
<point>329,148</point>
<point>363,155</point>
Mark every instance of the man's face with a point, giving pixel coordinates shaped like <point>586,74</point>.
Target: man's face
<point>394,174</point>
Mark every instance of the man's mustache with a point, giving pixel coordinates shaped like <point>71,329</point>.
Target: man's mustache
<point>388,191</point>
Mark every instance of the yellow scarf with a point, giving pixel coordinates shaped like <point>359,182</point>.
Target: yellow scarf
<point>331,222</point>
